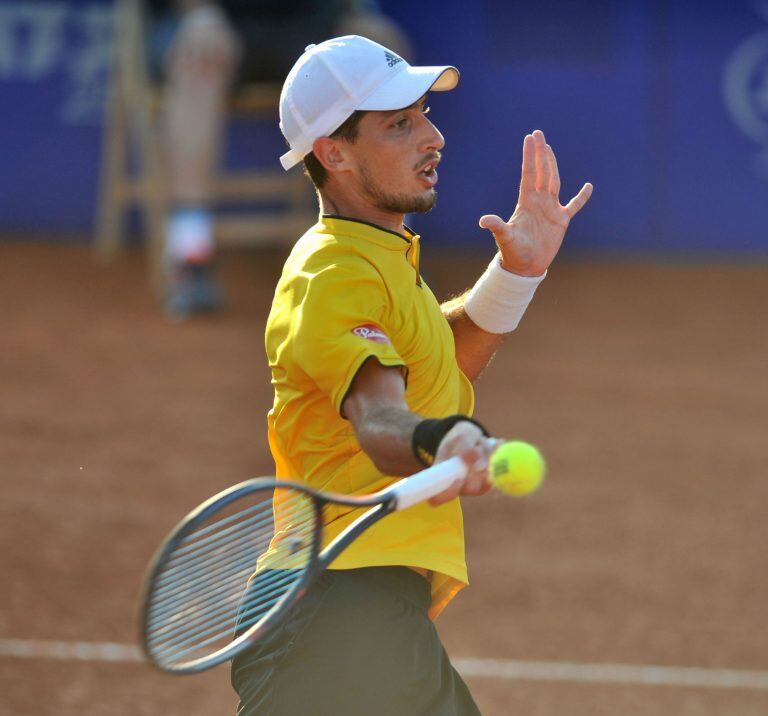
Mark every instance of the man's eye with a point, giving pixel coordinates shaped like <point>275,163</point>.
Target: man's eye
<point>400,124</point>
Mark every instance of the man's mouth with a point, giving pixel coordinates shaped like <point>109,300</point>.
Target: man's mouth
<point>428,172</point>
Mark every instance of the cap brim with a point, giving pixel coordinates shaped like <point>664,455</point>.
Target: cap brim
<point>408,86</point>
<point>291,158</point>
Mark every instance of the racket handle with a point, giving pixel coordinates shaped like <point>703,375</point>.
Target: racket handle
<point>427,483</point>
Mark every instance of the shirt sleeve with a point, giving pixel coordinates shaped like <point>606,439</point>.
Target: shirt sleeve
<point>343,319</point>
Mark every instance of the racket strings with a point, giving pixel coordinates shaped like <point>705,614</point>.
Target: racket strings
<point>202,593</point>
<point>167,644</point>
<point>247,613</point>
<point>211,572</point>
<point>246,607</point>
<point>206,550</point>
<point>227,550</point>
<point>223,622</point>
<point>235,557</point>
<point>198,538</point>
<point>206,604</point>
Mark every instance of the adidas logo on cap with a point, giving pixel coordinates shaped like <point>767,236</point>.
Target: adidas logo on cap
<point>392,58</point>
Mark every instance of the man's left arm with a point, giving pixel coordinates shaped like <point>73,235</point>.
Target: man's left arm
<point>474,346</point>
<point>527,243</point>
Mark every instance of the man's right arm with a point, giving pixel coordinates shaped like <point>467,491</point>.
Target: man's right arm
<point>384,426</point>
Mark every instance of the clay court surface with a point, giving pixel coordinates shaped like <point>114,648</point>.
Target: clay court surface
<point>644,384</point>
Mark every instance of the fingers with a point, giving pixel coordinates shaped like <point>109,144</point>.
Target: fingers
<point>475,483</point>
<point>467,441</point>
<point>528,181</point>
<point>491,222</point>
<point>541,174</point>
<point>540,161</point>
<point>538,164</point>
<point>461,437</point>
<point>576,204</point>
<point>447,495</point>
<point>554,176</point>
<point>476,460</point>
<point>470,457</point>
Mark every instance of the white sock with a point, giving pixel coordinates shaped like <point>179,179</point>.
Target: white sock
<point>189,235</point>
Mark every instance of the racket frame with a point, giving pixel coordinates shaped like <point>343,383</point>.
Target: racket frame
<point>397,496</point>
<point>317,561</point>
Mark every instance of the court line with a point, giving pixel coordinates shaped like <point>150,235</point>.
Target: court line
<point>69,650</point>
<point>636,675</point>
<point>505,669</point>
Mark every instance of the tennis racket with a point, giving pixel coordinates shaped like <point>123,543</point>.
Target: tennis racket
<point>233,567</point>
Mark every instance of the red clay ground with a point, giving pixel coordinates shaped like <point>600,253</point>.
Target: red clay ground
<point>645,386</point>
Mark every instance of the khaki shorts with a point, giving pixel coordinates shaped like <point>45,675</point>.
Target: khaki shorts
<point>359,643</point>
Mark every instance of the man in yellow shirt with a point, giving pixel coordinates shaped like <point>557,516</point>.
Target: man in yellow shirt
<point>372,381</point>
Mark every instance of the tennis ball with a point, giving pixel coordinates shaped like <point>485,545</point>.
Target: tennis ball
<point>516,468</point>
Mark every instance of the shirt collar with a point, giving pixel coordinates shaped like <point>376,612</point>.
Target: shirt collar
<point>408,243</point>
<point>358,228</point>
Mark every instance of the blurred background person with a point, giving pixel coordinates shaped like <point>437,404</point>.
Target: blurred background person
<point>199,48</point>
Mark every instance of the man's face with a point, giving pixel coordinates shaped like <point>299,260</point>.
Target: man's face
<point>395,156</point>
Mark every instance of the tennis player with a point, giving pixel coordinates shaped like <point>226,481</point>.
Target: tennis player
<point>373,380</point>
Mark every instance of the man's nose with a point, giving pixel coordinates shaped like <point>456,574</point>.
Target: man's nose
<point>433,140</point>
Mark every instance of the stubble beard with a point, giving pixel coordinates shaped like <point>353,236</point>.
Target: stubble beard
<point>396,203</point>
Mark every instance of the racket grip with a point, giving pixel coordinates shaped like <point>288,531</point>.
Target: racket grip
<point>427,483</point>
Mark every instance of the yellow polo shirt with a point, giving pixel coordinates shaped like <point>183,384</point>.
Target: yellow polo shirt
<point>350,291</point>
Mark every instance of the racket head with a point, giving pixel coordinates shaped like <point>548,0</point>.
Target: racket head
<point>197,593</point>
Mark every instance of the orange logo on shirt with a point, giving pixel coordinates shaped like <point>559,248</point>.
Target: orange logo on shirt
<point>371,333</point>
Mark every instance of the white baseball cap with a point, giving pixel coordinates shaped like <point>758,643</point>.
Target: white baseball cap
<point>333,79</point>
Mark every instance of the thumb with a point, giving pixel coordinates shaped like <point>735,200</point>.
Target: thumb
<point>491,222</point>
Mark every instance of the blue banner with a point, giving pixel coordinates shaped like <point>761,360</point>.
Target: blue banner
<point>662,105</point>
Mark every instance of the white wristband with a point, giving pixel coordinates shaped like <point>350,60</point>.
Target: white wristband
<point>498,300</point>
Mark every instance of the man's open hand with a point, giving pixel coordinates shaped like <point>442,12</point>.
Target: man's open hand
<point>530,240</point>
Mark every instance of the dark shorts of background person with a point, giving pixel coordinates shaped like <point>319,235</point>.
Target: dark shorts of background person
<point>271,41</point>
<point>360,642</point>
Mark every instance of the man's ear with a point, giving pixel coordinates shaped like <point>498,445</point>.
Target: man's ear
<point>330,154</point>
